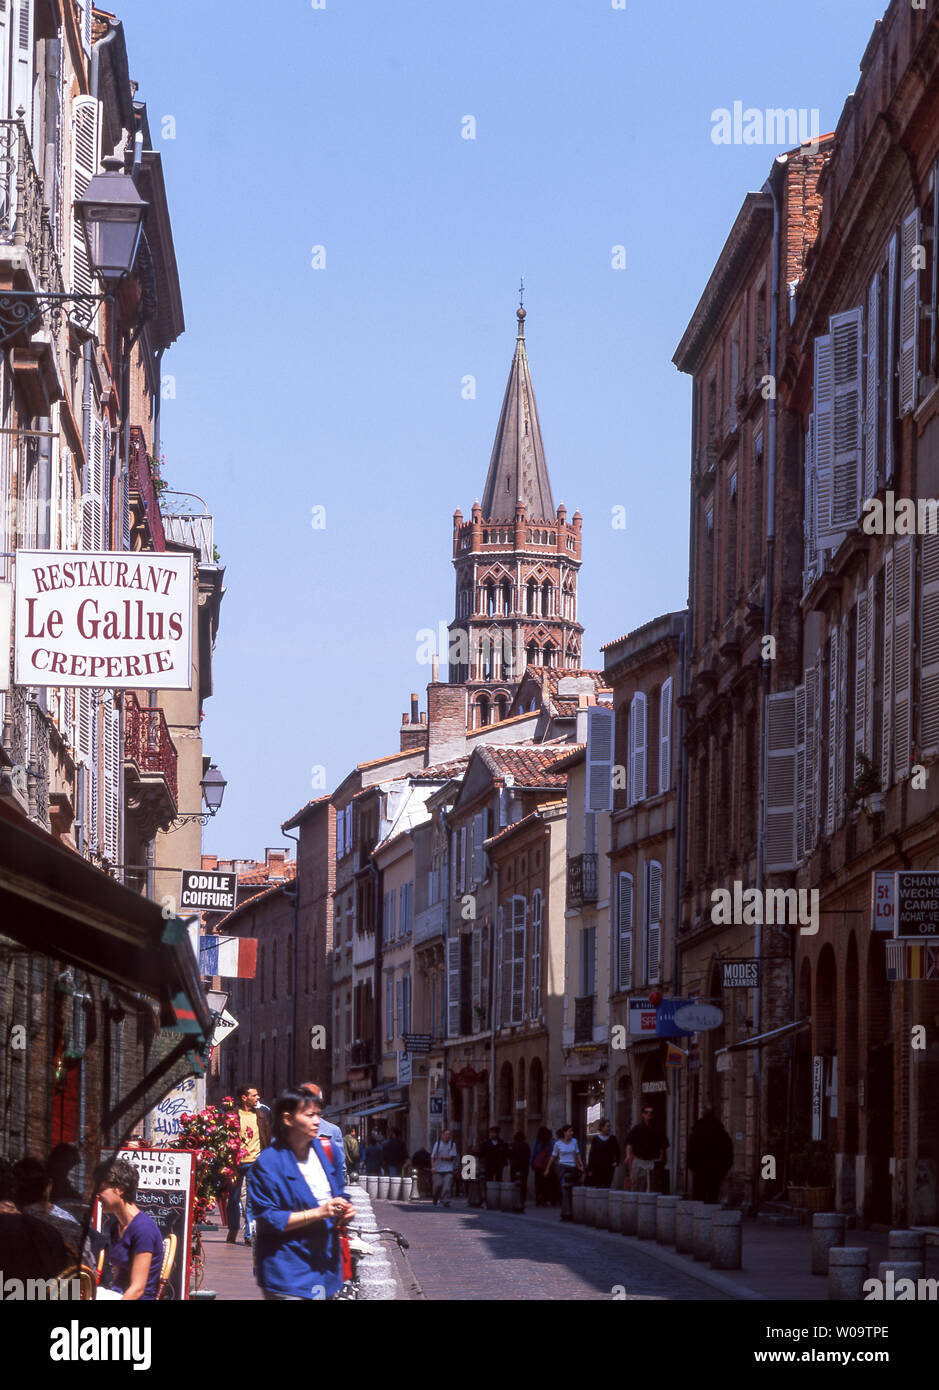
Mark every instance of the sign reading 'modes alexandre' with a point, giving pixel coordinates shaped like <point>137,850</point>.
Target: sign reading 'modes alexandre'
<point>119,618</point>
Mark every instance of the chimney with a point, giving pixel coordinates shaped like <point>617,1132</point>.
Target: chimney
<point>446,722</point>
<point>434,669</point>
<point>415,706</point>
<point>210,861</point>
<point>582,707</point>
<point>274,859</point>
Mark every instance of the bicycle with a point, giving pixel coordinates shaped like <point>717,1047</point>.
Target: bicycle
<point>358,1249</point>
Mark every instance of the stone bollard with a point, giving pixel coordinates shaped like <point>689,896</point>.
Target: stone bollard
<point>665,1212</point>
<point>684,1225</point>
<point>828,1229</point>
<point>615,1208</point>
<point>890,1272</point>
<point>371,1184</point>
<point>907,1245</point>
<point>847,1270</point>
<point>645,1218</point>
<point>578,1204</point>
<point>701,1238</point>
<point>726,1239</point>
<point>630,1212</point>
<point>590,1206</point>
<point>493,1194</point>
<point>384,1182</point>
<point>394,1189</point>
<point>603,1208</point>
<point>506,1196</point>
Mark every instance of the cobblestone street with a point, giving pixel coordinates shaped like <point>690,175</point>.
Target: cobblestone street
<point>458,1254</point>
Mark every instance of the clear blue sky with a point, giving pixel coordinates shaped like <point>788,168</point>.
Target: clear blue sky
<point>341,387</point>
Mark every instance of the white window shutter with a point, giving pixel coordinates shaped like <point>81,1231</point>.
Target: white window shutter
<point>4,80</point>
<point>537,908</point>
<point>810,523</point>
<point>871,664</point>
<point>637,720</point>
<point>630,742</point>
<point>453,987</point>
<point>476,980</point>
<point>454,853</point>
<point>599,758</point>
<point>890,410</point>
<point>861,682</point>
<point>22,61</point>
<point>832,793</point>
<point>886,742</point>
<point>872,391</point>
<point>93,836</point>
<point>112,772</point>
<point>826,536</point>
<point>340,837</point>
<point>654,931</point>
<point>461,861</point>
<point>507,916</point>
<point>843,772</point>
<point>781,782</point>
<point>665,736</point>
<point>624,931</point>
<point>519,922</point>
<point>909,313</point>
<point>929,646</point>
<point>903,576</point>
<point>476,851</point>
<point>85,118</point>
<point>69,539</point>
<point>811,760</point>
<point>848,428</point>
<point>801,771</point>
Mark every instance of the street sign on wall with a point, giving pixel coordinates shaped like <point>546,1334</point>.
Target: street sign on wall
<point>740,974</point>
<point>121,619</point>
<point>883,901</point>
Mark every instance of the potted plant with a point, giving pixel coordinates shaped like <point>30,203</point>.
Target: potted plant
<point>215,1138</point>
<point>865,794</point>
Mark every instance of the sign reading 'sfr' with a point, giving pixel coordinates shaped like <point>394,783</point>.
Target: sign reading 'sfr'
<point>121,618</point>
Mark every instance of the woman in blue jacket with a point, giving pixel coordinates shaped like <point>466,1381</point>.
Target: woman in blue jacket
<point>298,1203</point>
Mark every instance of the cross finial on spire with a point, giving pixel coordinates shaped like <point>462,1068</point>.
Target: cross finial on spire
<point>520,311</point>
<point>521,293</point>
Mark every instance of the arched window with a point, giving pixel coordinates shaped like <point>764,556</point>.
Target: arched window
<point>547,597</point>
<point>483,711</point>
<point>532,654</point>
<point>506,596</point>
<point>550,654</point>
<point>532,597</point>
<point>490,599</point>
<point>499,708</point>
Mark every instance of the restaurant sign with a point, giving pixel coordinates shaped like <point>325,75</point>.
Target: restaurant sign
<point>121,619</point>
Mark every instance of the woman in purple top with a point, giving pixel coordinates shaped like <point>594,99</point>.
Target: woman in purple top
<point>136,1246</point>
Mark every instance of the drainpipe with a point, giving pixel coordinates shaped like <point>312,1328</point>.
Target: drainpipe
<point>96,51</point>
<point>766,668</point>
<point>296,945</point>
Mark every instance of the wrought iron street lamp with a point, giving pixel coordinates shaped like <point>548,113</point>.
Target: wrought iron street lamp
<point>213,787</point>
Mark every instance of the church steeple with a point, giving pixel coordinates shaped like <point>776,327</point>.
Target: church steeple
<point>518,473</point>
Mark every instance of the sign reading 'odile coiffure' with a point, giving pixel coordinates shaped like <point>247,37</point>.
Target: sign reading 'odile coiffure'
<point>117,618</point>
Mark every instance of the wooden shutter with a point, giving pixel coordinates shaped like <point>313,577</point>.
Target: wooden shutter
<point>862,722</point>
<point>872,389</point>
<point>462,860</point>
<point>929,645</point>
<point>827,536</point>
<point>886,741</point>
<point>112,771</point>
<point>537,907</point>
<point>624,931</point>
<point>94,835</point>
<point>454,854</point>
<point>399,1007</point>
<point>801,779</point>
<point>506,935</point>
<point>599,758</point>
<point>846,479</point>
<point>67,510</point>
<point>654,921</point>
<point>476,851</point>
<point>781,782</point>
<point>519,920</point>
<point>890,408</point>
<point>811,757</point>
<point>831,799</point>
<point>843,773</point>
<point>637,721</point>
<point>810,524</point>
<point>6,107</point>
<point>476,978</point>
<point>909,313</point>
<point>340,836</point>
<point>22,62</point>
<point>453,986</point>
<point>903,576</point>
<point>84,167</point>
<point>665,736</point>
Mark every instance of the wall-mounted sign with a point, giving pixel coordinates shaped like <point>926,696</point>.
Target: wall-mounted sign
<point>653,1087</point>
<point>165,1191</point>
<point>404,1068</point>
<point>740,974</point>
<point>417,1042</point>
<point>917,905</point>
<point>436,1105</point>
<point>641,1017</point>
<point>201,891</point>
<point>818,1072</point>
<point>121,619</point>
<point>699,1018</point>
<point>883,901</point>
<point>225,1026</point>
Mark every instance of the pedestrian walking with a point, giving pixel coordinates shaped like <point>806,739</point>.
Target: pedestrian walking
<point>136,1252</point>
<point>540,1154</point>
<point>299,1206</point>
<point>373,1155</point>
<point>443,1157</point>
<point>710,1156</point>
<point>519,1163</point>
<point>353,1153</point>
<point>493,1156</point>
<point>566,1154</point>
<point>603,1157</point>
<point>394,1154</point>
<point>255,1136</point>
<point>329,1135</point>
<point>645,1145</point>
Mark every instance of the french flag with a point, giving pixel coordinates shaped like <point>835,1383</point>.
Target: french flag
<point>233,956</point>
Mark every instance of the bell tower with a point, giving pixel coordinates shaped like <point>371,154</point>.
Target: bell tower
<point>516,563</point>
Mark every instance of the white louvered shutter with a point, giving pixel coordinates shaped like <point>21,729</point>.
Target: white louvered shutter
<point>903,576</point>
<point>827,537</point>
<point>67,510</point>
<point>6,109</point>
<point>461,861</point>
<point>909,312</point>
<point>454,853</point>
<point>476,852</point>
<point>665,736</point>
<point>654,931</point>
<point>929,645</point>
<point>341,841</point>
<point>112,771</point>
<point>22,61</point>
<point>861,682</point>
<point>886,742</point>
<point>599,758</point>
<point>890,408</point>
<point>94,833</point>
<point>843,772</point>
<point>810,509</point>
<point>507,937</point>
<point>624,932</point>
<point>85,23</point>
<point>476,977</point>
<point>812,739</point>
<point>537,936</point>
<point>801,779</point>
<point>781,782</point>
<point>637,722</point>
<point>870,664</point>
<point>872,389</point>
<point>83,723</point>
<point>846,481</point>
<point>453,987</point>
<point>519,919</point>
<point>831,799</point>
<point>106,511</point>
<point>84,167</point>
<point>630,736</point>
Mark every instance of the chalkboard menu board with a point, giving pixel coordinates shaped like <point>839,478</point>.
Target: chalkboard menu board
<point>165,1190</point>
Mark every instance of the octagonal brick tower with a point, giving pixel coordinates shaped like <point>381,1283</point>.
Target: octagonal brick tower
<point>516,563</point>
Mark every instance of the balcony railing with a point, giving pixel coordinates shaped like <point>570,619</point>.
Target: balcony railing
<point>583,1019</point>
<point>143,484</point>
<point>147,742</point>
<point>24,214</point>
<point>430,923</point>
<point>581,879</point>
<point>197,531</point>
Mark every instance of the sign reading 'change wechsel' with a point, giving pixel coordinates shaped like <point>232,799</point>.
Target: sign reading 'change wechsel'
<point>118,618</point>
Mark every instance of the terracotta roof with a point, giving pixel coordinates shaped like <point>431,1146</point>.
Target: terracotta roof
<point>567,707</point>
<point>304,811</point>
<point>441,772</point>
<point>549,677</point>
<point>262,875</point>
<point>572,757</point>
<point>390,758</point>
<point>531,767</point>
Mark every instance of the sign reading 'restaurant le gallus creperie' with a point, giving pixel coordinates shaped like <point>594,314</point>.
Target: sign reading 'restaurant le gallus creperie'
<point>121,619</point>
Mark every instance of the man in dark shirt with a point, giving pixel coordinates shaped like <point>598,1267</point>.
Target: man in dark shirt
<point>394,1154</point>
<point>493,1155</point>
<point>645,1145</point>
